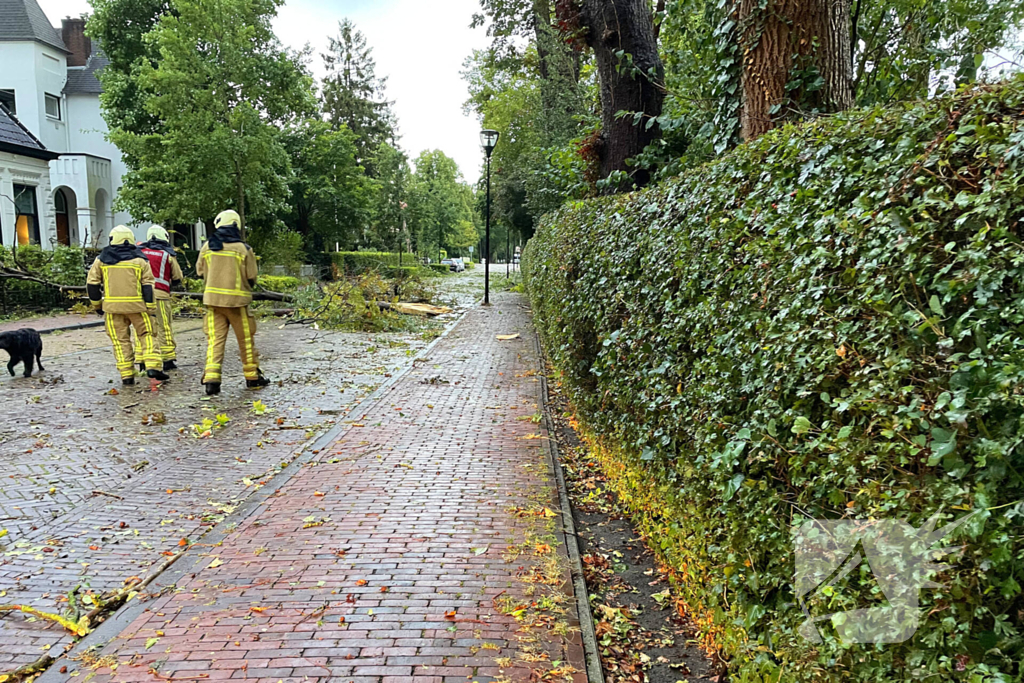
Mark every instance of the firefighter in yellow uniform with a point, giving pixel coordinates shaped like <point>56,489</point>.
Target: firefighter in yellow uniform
<point>120,284</point>
<point>228,266</point>
<point>167,274</point>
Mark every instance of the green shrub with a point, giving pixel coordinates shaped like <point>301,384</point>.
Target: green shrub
<point>440,268</point>
<point>401,273</point>
<point>278,283</point>
<point>826,323</point>
<point>358,262</point>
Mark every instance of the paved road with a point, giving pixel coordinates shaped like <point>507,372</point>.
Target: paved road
<point>420,546</point>
<point>95,487</point>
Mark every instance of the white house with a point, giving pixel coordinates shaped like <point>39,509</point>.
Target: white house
<point>24,179</point>
<point>48,81</point>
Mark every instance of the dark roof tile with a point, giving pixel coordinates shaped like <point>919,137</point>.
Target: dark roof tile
<point>16,138</point>
<point>25,20</point>
<point>82,79</point>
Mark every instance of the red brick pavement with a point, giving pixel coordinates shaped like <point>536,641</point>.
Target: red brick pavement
<point>50,322</point>
<point>415,548</point>
<point>62,437</point>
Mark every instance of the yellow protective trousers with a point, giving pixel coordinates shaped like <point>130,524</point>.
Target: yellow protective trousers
<point>165,343</point>
<point>218,320</point>
<point>119,329</point>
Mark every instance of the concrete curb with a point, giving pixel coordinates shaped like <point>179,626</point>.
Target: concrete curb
<point>72,328</point>
<point>123,617</point>
<point>588,633</point>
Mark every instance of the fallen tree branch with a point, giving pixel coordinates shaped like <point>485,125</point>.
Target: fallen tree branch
<point>79,628</point>
<point>7,273</point>
<point>28,671</point>
<point>109,604</point>
<point>413,309</point>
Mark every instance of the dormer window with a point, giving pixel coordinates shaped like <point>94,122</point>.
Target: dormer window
<point>53,106</point>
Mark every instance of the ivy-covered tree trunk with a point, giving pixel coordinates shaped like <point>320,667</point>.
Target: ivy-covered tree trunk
<point>796,60</point>
<point>621,33</point>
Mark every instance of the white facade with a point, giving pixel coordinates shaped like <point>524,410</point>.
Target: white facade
<point>87,133</point>
<point>27,172</point>
<point>86,172</point>
<point>60,105</point>
<point>33,70</point>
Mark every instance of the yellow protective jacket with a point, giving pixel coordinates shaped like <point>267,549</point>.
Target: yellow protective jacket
<point>229,274</point>
<point>124,287</point>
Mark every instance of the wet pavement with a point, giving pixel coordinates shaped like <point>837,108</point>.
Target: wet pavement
<point>421,545</point>
<point>99,482</point>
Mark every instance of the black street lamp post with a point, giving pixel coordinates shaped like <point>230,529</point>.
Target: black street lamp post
<point>488,140</point>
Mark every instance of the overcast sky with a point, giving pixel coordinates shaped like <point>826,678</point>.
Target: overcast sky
<point>419,47</point>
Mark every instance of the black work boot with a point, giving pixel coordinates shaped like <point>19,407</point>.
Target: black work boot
<point>170,365</point>
<point>212,388</point>
<point>257,383</point>
<point>157,375</point>
<point>142,367</point>
<point>128,381</point>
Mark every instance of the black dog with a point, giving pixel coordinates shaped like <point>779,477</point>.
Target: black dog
<point>23,346</point>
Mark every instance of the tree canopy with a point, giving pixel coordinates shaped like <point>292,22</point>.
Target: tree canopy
<point>220,97</point>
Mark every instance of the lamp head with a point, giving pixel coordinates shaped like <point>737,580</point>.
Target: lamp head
<point>489,140</point>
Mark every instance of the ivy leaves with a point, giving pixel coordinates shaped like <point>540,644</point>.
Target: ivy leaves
<point>824,323</point>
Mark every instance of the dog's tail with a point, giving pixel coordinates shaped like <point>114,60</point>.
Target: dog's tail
<point>39,359</point>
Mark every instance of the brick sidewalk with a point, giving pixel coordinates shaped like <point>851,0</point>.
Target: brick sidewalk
<point>50,322</point>
<point>421,545</point>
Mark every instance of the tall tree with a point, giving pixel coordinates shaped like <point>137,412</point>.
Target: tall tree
<point>331,197</point>
<point>622,36</point>
<point>119,28</point>
<point>439,206</point>
<point>389,226</point>
<point>353,95</point>
<point>796,58</point>
<point>221,88</point>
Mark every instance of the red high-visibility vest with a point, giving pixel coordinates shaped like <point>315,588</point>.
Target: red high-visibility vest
<point>160,262</point>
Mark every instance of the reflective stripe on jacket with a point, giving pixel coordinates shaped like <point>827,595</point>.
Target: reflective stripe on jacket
<point>165,271</point>
<point>227,274</point>
<point>122,284</point>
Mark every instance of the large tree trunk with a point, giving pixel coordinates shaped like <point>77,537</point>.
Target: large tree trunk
<point>542,34</point>
<point>817,34</point>
<point>625,25</point>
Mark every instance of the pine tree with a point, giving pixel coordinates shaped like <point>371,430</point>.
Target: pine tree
<point>354,96</point>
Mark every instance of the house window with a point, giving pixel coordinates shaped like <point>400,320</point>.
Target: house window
<point>53,106</point>
<point>27,215</point>
<point>7,99</point>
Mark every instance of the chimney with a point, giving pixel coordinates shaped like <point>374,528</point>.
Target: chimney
<point>78,44</point>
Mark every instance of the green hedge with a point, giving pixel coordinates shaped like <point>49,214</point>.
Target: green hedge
<point>359,262</point>
<point>440,268</point>
<point>279,283</point>
<point>401,273</point>
<point>826,323</point>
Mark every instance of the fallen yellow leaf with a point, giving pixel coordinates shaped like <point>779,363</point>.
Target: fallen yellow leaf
<point>507,337</point>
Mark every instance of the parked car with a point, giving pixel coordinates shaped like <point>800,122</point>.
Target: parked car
<point>459,265</point>
<point>448,262</point>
